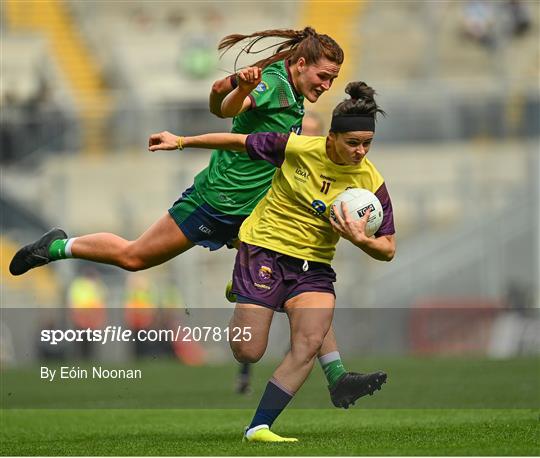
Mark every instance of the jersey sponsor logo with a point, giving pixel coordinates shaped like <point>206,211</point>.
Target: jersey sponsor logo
<point>205,230</point>
<point>265,273</point>
<point>301,174</point>
<point>261,87</point>
<point>324,177</point>
<point>319,207</point>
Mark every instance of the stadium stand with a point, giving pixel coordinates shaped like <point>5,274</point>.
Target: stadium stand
<point>453,107</point>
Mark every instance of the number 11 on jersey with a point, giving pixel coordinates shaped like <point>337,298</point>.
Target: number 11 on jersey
<point>325,187</point>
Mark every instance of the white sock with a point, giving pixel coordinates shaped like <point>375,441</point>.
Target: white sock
<point>68,247</point>
<point>329,357</point>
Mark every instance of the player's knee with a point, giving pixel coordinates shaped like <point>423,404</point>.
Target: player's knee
<point>246,354</point>
<point>247,357</point>
<point>307,345</point>
<point>133,264</point>
<point>131,261</point>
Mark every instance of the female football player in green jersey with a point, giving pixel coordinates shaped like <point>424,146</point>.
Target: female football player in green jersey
<point>267,96</point>
<point>288,242</point>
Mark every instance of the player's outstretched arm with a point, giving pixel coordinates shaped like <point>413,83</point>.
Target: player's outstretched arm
<point>381,248</point>
<point>168,141</point>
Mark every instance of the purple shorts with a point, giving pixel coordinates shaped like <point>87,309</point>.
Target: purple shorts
<point>269,278</point>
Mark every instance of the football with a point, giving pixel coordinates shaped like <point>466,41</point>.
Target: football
<point>358,201</point>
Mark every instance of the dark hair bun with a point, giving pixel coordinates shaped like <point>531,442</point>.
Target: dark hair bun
<point>360,90</point>
<point>362,101</point>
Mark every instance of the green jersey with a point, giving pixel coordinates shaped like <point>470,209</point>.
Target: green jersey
<point>233,183</point>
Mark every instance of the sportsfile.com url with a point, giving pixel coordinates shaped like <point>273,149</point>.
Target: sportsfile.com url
<point>120,334</point>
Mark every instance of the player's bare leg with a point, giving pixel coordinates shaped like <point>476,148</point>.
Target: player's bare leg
<point>162,241</point>
<point>329,343</point>
<point>255,319</point>
<point>309,324</point>
<point>310,316</point>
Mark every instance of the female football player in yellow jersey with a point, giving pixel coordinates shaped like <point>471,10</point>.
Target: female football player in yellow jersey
<point>288,242</point>
<point>312,125</point>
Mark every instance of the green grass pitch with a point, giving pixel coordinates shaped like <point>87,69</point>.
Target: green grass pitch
<point>429,407</point>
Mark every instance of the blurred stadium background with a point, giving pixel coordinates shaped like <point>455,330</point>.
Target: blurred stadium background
<point>85,83</point>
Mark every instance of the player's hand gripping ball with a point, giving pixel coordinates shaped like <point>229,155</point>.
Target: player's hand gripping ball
<point>358,202</point>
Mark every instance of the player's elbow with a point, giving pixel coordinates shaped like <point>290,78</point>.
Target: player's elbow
<point>389,254</point>
<point>215,109</point>
<point>386,254</point>
<point>219,88</point>
<point>387,249</point>
<point>216,112</point>
<point>216,96</point>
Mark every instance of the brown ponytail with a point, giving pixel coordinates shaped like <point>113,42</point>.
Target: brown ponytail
<point>306,43</point>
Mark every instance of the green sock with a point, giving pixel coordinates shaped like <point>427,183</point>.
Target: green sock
<point>57,249</point>
<point>332,366</point>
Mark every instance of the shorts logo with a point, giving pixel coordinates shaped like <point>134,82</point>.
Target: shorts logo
<point>205,230</point>
<point>265,273</point>
<point>224,198</point>
<point>318,206</point>
<point>261,87</point>
<point>261,286</point>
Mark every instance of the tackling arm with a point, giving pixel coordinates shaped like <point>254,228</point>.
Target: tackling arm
<point>167,141</point>
<point>226,141</point>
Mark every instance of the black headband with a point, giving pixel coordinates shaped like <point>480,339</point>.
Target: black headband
<point>353,123</point>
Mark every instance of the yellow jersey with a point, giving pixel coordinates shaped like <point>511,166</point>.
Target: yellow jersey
<point>293,217</point>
